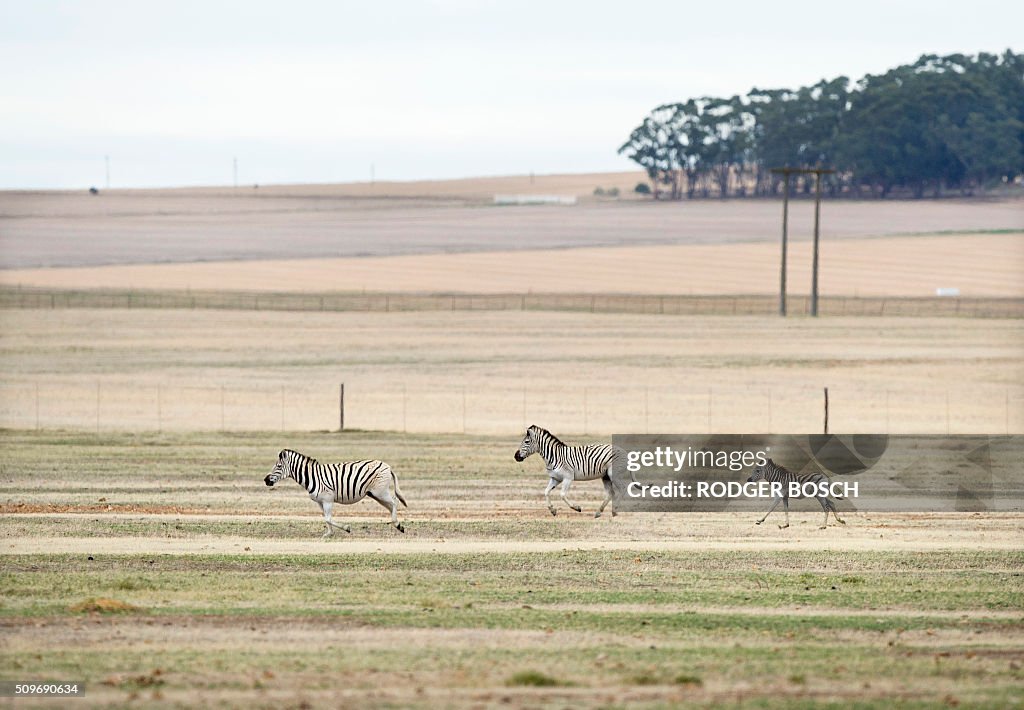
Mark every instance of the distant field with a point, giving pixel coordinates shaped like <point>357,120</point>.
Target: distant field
<point>979,265</point>
<point>161,571</point>
<point>333,221</point>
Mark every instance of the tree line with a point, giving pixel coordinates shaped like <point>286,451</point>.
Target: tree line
<point>943,123</point>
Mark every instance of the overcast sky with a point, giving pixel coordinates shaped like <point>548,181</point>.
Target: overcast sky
<point>321,91</point>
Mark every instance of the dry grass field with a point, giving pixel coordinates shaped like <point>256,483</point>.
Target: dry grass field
<point>977,264</point>
<point>141,553</point>
<point>495,372</point>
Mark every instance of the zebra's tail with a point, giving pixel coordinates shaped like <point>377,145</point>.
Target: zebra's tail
<point>398,493</point>
<point>837,496</point>
<point>620,460</point>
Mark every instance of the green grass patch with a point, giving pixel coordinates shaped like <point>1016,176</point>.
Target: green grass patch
<point>533,678</point>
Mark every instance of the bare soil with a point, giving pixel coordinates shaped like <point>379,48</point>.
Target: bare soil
<point>640,532</point>
<point>46,229</point>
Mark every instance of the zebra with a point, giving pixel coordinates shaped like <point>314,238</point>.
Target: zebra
<point>566,464</point>
<point>346,483</point>
<point>773,472</point>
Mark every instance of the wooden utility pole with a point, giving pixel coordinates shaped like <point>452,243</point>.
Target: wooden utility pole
<point>785,228</point>
<point>786,172</point>
<point>826,410</point>
<point>817,222</point>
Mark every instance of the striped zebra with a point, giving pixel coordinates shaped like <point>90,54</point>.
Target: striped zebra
<point>346,483</point>
<point>566,464</point>
<point>774,473</point>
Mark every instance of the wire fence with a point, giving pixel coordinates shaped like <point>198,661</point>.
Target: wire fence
<point>588,410</point>
<point>593,303</point>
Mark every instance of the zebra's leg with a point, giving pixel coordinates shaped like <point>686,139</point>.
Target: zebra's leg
<point>565,493</point>
<point>326,507</point>
<point>827,505</point>
<point>785,506</point>
<point>547,495</point>
<point>607,497</point>
<point>327,522</point>
<point>775,504</point>
<point>384,498</point>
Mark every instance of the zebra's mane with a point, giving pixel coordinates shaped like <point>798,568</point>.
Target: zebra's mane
<point>295,455</point>
<point>542,430</point>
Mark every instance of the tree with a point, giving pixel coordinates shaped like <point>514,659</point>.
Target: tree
<point>954,121</point>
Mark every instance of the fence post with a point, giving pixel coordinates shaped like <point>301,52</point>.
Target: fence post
<point>826,410</point>
<point>341,407</point>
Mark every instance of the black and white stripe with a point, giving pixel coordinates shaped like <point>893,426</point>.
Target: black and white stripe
<point>774,473</point>
<point>346,483</point>
<point>566,463</point>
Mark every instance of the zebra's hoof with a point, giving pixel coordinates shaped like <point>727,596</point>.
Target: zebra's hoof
<point>841,522</point>
<point>597,514</point>
<point>822,527</point>
<point>577,509</point>
<point>348,529</point>
<point>783,527</point>
<point>553,511</point>
<point>401,528</point>
<point>758,522</point>
<point>614,513</point>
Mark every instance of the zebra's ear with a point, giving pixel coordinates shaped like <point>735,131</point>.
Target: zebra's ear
<point>281,454</point>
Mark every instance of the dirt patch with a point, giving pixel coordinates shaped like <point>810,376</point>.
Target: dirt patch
<point>103,605</point>
<point>119,508</point>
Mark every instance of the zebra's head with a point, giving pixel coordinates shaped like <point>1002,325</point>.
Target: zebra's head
<point>282,469</point>
<point>529,445</point>
<point>759,471</point>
